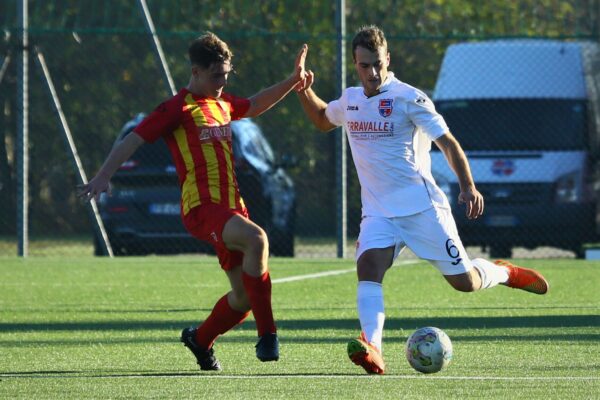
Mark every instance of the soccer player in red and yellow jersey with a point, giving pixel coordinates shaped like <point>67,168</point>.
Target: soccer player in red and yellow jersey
<point>195,124</point>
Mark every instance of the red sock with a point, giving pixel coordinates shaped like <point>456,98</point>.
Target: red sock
<point>221,319</point>
<point>258,290</point>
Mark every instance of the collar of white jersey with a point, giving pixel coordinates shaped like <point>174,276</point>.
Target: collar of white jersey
<point>388,81</point>
<point>385,86</point>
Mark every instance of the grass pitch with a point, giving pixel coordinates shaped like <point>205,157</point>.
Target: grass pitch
<point>76,328</point>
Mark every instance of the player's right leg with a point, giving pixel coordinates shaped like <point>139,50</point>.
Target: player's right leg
<point>205,356</point>
<point>366,355</point>
<point>375,253</point>
<point>229,311</point>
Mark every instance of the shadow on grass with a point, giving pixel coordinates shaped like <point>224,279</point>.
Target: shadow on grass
<point>294,308</point>
<point>318,328</point>
<point>159,374</point>
<point>536,321</point>
<point>320,338</point>
<point>93,374</point>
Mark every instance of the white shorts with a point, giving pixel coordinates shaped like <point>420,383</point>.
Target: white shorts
<point>431,235</point>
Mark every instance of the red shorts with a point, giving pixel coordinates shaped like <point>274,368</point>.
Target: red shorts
<point>206,222</point>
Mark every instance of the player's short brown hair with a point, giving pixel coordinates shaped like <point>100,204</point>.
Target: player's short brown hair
<point>370,37</point>
<point>209,49</point>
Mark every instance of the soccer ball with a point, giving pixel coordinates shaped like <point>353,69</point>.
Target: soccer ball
<point>428,350</point>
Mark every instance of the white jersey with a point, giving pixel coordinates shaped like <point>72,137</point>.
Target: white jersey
<point>390,137</point>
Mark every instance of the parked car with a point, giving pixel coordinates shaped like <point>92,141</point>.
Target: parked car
<point>143,213</point>
<point>527,113</point>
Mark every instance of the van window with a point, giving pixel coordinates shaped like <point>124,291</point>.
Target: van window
<point>517,124</point>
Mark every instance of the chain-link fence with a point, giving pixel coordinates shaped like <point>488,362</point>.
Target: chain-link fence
<point>103,64</point>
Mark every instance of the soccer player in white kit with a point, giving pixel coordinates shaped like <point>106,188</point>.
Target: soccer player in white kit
<point>390,126</point>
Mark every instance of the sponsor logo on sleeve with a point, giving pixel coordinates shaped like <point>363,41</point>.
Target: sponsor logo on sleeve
<point>420,100</point>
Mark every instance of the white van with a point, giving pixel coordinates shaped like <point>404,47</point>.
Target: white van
<point>527,114</point>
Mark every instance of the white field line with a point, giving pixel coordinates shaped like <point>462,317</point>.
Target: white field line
<point>329,273</point>
<point>312,276</point>
<point>443,378</point>
<point>307,376</point>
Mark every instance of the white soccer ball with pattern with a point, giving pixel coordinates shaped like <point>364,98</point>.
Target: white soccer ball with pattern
<point>428,350</point>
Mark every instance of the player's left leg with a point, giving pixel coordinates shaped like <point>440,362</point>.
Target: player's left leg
<point>480,274</point>
<point>485,275</point>
<point>434,237</point>
<point>523,278</point>
<point>243,235</point>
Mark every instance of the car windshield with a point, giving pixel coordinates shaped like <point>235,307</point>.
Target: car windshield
<point>253,143</point>
<point>517,124</point>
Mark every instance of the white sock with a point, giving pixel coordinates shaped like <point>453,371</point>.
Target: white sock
<point>369,299</point>
<point>491,274</point>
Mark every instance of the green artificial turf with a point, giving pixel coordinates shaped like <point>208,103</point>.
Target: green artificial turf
<point>77,328</point>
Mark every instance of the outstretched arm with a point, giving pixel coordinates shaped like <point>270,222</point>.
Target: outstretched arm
<point>117,156</point>
<point>313,105</point>
<point>457,160</point>
<point>267,98</point>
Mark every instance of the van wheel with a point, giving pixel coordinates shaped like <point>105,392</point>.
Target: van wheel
<point>579,252</point>
<point>500,251</point>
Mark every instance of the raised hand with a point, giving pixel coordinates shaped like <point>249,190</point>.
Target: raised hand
<point>306,83</point>
<point>299,70</point>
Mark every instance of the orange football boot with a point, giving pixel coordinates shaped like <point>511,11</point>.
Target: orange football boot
<point>366,355</point>
<point>524,278</point>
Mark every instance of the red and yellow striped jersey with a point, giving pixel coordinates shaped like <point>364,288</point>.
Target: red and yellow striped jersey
<point>198,133</point>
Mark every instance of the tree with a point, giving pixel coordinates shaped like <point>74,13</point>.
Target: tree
<point>105,70</point>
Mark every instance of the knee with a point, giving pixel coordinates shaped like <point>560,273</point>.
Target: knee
<point>373,263</point>
<point>238,300</point>
<point>464,286</point>
<point>463,282</point>
<point>372,273</point>
<point>258,241</point>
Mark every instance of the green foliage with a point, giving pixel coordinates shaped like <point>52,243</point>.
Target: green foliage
<point>104,67</point>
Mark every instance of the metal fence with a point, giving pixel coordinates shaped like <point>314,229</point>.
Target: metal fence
<point>101,61</point>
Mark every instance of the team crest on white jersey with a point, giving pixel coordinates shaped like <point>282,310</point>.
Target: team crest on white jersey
<point>385,107</point>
